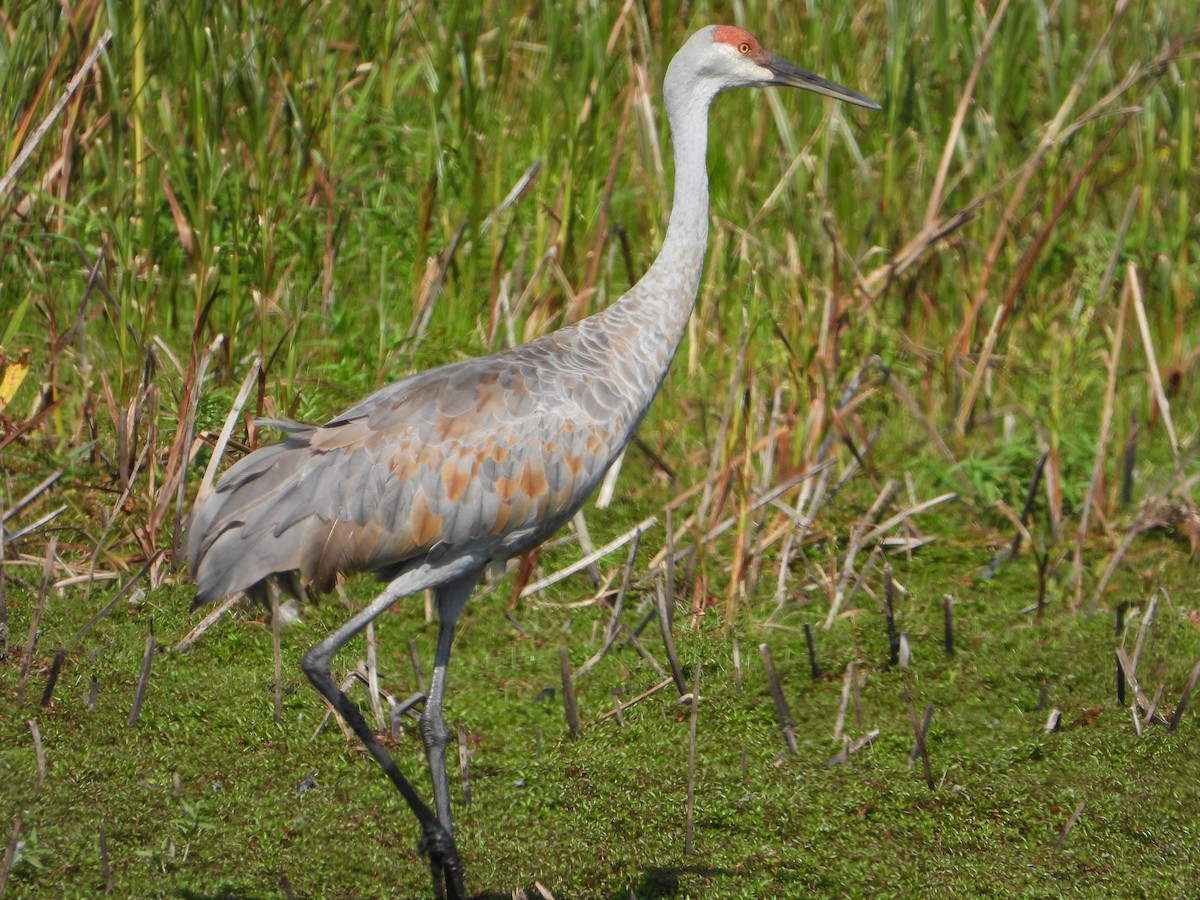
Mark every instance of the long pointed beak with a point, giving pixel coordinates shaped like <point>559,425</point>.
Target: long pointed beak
<point>788,75</point>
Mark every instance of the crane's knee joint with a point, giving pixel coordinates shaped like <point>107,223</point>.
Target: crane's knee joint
<point>315,665</point>
<point>434,731</point>
<point>438,844</point>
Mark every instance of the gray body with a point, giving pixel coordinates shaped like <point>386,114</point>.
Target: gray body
<point>489,456</point>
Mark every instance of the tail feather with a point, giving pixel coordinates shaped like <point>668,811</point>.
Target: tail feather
<point>297,515</point>
<point>233,543</point>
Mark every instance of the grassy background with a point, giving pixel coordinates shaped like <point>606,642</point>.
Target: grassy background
<point>323,187</point>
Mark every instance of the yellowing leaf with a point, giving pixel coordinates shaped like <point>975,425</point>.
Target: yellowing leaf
<point>12,373</point>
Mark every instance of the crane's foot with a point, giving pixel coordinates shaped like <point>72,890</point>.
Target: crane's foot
<point>444,861</point>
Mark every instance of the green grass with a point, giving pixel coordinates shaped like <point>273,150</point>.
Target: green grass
<point>605,813</point>
<point>290,180</point>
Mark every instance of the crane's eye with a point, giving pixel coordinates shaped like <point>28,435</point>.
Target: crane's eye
<point>744,47</point>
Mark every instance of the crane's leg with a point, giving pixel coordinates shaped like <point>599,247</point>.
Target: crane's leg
<point>437,842</point>
<point>451,598</point>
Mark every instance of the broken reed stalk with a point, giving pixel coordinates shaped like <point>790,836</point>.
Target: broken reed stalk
<point>398,710</point>
<point>926,718</point>
<point>849,748</point>
<point>584,536</point>
<point>120,595</point>
<point>580,564</point>
<point>786,723</point>
<point>10,855</point>
<point>1027,509</point>
<point>613,630</point>
<point>126,426</point>
<point>857,542</point>
<point>10,176</point>
<point>847,681</point>
<point>1070,824</point>
<point>36,524</point>
<point>1149,717</point>
<point>179,455</point>
<point>1183,699</point>
<point>919,749</point>
<point>431,289</point>
<point>192,636</point>
<point>414,657</point>
<point>35,620</point>
<point>1139,527</point>
<point>1126,669</point>
<point>143,679</point>
<point>632,639</point>
<point>373,690</point>
<point>737,666</point>
<point>889,610</point>
<point>210,471</point>
<point>568,689</point>
<point>948,624</point>
<point>52,680</point>
<point>907,513</point>
<point>620,713</point>
<point>1156,382</point>
<point>36,491</point>
<point>464,762</point>
<point>856,699</point>
<point>39,751</point>
<point>1129,461</point>
<point>620,708</point>
<point>105,864</point>
<point>691,779</point>
<point>668,554</point>
<point>812,651</point>
<point>1146,619</point>
<point>664,605</point>
<point>337,716</point>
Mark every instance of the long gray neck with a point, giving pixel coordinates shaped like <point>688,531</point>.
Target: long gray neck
<point>650,319</point>
<point>680,262</point>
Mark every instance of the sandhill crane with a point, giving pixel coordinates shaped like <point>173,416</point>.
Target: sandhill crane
<point>432,479</point>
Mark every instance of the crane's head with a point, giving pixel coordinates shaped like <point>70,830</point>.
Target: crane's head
<point>723,56</point>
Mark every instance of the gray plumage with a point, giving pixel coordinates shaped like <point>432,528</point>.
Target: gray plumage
<point>492,453</point>
<point>429,480</point>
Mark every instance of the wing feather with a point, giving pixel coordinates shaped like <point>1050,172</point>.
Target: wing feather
<point>489,455</point>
